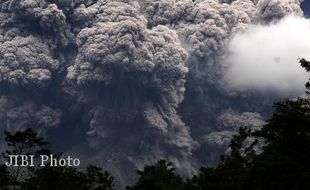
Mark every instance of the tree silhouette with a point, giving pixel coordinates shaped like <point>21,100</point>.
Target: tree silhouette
<point>27,142</point>
<point>283,163</point>
<point>160,176</point>
<point>232,169</point>
<point>98,179</point>
<point>4,178</point>
<point>69,178</point>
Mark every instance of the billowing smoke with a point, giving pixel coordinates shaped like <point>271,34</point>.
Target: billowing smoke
<point>269,10</point>
<point>133,78</point>
<point>265,57</point>
<point>128,82</point>
<point>205,27</point>
<point>26,61</point>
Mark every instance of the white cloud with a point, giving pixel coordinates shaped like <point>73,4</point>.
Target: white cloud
<point>265,57</point>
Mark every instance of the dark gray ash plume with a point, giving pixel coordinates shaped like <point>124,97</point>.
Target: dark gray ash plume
<point>133,78</point>
<point>128,82</point>
<point>26,61</point>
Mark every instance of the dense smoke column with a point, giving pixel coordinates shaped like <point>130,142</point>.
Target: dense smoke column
<point>123,80</point>
<point>132,79</point>
<point>127,72</point>
<point>206,72</point>
<point>204,27</point>
<point>36,44</point>
<point>27,70</point>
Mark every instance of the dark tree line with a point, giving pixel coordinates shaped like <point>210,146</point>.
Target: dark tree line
<point>282,163</point>
<point>27,142</point>
<point>277,156</point>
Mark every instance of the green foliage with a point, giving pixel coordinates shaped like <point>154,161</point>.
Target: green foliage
<point>27,142</point>
<point>284,161</point>
<point>69,178</point>
<point>160,176</point>
<point>98,179</point>
<point>306,64</point>
<point>282,164</point>
<point>232,169</point>
<point>50,178</point>
<point>4,178</point>
<point>24,142</point>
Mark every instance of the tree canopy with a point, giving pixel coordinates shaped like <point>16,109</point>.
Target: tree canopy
<point>276,156</point>
<point>273,157</point>
<point>28,142</point>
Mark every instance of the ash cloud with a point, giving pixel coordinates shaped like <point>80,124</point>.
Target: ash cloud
<point>130,81</point>
<point>26,61</point>
<point>205,27</point>
<point>265,57</point>
<point>270,10</point>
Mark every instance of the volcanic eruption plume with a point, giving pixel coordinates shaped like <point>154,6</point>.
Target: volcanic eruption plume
<point>129,82</point>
